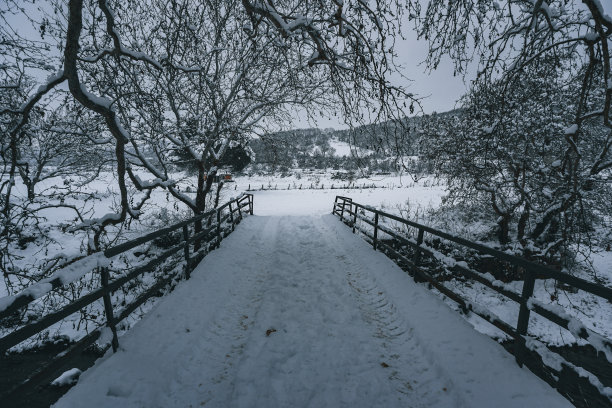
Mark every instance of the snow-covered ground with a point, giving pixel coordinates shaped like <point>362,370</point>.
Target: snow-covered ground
<point>299,312</point>
<point>318,202</point>
<point>394,193</point>
<point>161,209</point>
<point>426,194</point>
<point>320,179</point>
<point>344,149</point>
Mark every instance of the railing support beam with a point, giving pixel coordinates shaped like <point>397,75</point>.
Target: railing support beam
<point>108,307</point>
<point>417,254</point>
<point>186,251</point>
<point>524,313</point>
<point>375,241</point>
<point>218,228</point>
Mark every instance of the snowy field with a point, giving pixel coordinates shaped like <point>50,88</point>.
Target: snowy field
<point>319,202</point>
<point>64,242</point>
<point>319,179</point>
<point>299,312</point>
<point>283,197</point>
<point>394,194</point>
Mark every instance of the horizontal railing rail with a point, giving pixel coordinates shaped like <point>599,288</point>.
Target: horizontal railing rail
<point>222,221</point>
<point>355,215</point>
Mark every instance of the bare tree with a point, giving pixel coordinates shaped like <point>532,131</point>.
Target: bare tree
<point>194,77</point>
<point>540,108</point>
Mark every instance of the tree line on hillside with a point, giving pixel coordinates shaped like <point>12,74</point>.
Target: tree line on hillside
<point>313,149</point>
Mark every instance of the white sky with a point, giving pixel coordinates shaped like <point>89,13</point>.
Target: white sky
<point>439,88</point>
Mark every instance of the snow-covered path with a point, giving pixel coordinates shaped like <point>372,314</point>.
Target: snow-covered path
<point>299,312</point>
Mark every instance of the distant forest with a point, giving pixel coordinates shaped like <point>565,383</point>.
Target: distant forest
<point>314,148</point>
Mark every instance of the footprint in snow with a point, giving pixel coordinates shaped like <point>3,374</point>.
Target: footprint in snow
<point>118,390</point>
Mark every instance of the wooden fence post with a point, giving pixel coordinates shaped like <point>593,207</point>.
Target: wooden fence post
<point>187,262</point>
<point>417,254</point>
<point>251,202</point>
<point>375,241</point>
<point>523,319</point>
<point>218,227</point>
<point>343,207</point>
<point>354,217</point>
<point>231,215</point>
<point>108,308</point>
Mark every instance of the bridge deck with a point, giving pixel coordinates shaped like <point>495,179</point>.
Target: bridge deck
<point>297,311</point>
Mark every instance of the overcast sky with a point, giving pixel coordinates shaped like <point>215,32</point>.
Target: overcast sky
<point>440,88</point>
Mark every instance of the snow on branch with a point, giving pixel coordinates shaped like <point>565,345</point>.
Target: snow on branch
<point>114,33</point>
<point>575,327</point>
<point>26,107</point>
<point>64,276</point>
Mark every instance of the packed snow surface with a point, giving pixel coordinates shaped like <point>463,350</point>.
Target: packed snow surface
<point>319,202</point>
<point>299,312</point>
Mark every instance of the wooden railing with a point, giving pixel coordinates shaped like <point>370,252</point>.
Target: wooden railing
<point>358,216</point>
<point>209,229</point>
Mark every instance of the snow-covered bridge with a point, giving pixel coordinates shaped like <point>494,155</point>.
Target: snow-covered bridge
<point>299,312</point>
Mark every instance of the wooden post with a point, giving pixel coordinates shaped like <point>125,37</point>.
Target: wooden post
<point>343,207</point>
<point>231,215</point>
<point>354,217</point>
<point>218,227</point>
<point>186,238</point>
<point>239,209</point>
<point>523,319</point>
<point>251,202</point>
<point>417,254</point>
<point>108,308</point>
<point>375,241</point>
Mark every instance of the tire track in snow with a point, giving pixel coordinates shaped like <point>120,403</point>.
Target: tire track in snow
<point>231,341</point>
<point>316,358</point>
<point>237,323</point>
<point>221,349</point>
<point>412,374</point>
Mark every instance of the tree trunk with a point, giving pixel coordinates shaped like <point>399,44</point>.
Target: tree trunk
<point>503,229</point>
<point>522,224</point>
<point>204,187</point>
